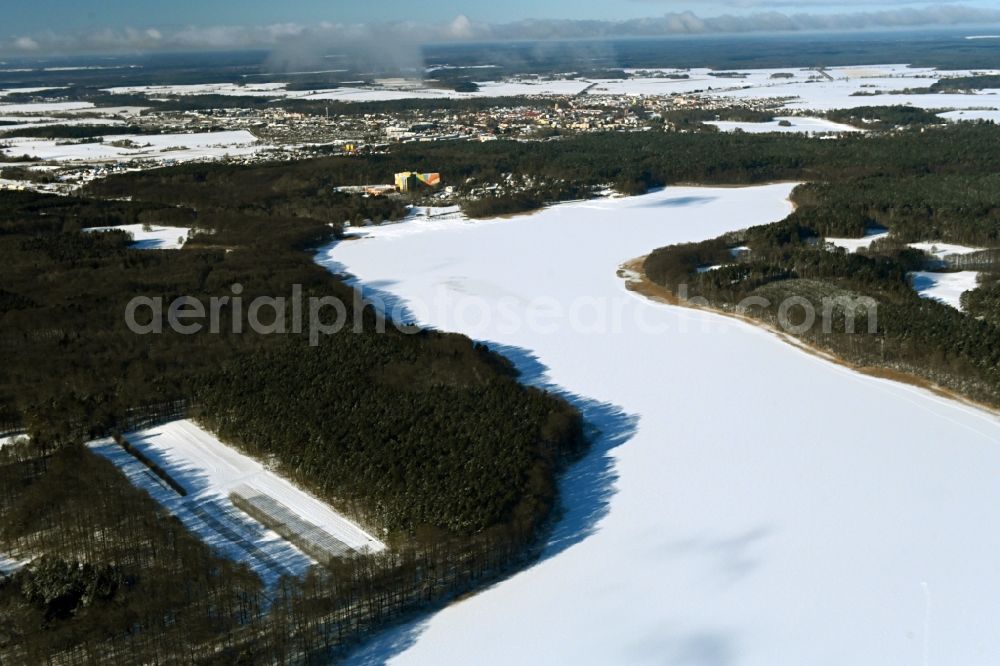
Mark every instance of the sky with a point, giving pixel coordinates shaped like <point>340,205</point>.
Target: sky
<point>43,26</point>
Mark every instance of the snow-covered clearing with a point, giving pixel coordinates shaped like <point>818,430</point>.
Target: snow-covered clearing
<point>946,288</point>
<point>11,440</point>
<point>48,122</point>
<point>14,91</point>
<point>992,115</point>
<point>794,124</point>
<point>231,89</point>
<point>209,471</point>
<point>156,238</point>
<point>745,502</point>
<point>44,107</point>
<point>942,250</point>
<point>437,212</point>
<point>855,244</point>
<point>175,147</point>
<point>10,565</point>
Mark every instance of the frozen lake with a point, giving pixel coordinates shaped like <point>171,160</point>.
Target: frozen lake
<point>745,502</point>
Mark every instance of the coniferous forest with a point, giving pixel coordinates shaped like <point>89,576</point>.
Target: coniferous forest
<point>425,435</point>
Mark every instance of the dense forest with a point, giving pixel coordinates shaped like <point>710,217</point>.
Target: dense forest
<point>953,198</point>
<point>424,434</point>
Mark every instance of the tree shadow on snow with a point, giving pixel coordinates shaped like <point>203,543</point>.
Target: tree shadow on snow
<point>585,487</point>
<point>680,202</point>
<point>585,491</point>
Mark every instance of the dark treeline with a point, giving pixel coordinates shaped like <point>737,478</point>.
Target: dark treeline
<point>956,207</point>
<point>421,434</point>
<point>120,581</point>
<point>72,131</point>
<point>954,197</point>
<point>572,168</point>
<point>885,117</point>
<point>978,82</point>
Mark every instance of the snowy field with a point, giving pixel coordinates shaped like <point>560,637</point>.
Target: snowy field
<point>177,147</point>
<point>946,288</point>
<point>796,125</point>
<point>942,250</point>
<point>209,470</point>
<point>36,123</point>
<point>11,440</point>
<point>231,89</point>
<point>831,88</point>
<point>157,238</point>
<point>44,107</point>
<point>10,565</point>
<point>744,503</point>
<point>992,115</point>
<point>16,91</point>
<point>855,244</point>
<point>936,249</point>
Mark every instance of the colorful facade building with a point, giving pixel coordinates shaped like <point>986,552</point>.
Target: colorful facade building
<point>408,181</point>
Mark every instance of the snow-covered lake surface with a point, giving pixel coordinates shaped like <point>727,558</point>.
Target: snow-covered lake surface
<point>745,502</point>
<point>794,125</point>
<point>156,238</point>
<point>209,471</point>
<point>944,287</point>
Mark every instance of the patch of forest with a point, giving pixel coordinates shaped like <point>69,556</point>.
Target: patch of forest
<point>425,434</point>
<point>965,83</point>
<point>72,131</point>
<point>883,118</point>
<point>955,202</point>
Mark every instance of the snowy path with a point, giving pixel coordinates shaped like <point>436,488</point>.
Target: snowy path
<point>747,503</point>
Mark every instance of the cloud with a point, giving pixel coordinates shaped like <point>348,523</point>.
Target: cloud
<point>25,44</point>
<point>397,42</point>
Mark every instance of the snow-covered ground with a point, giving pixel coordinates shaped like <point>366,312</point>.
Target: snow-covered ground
<point>973,115</point>
<point>744,502</point>
<point>942,250</point>
<point>157,238</point>
<point>795,124</point>
<point>944,287</point>
<point>209,470</point>
<point>10,565</point>
<point>437,212</point>
<point>854,244</point>
<point>37,122</point>
<point>14,91</point>
<point>11,440</point>
<point>177,147</point>
<point>232,89</point>
<point>831,88</point>
<point>44,107</point>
